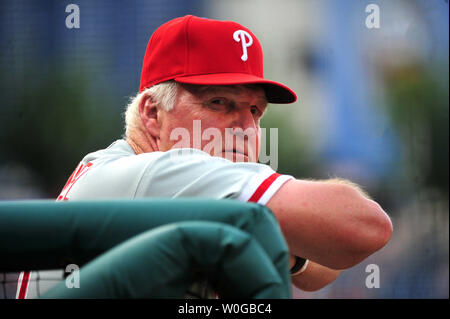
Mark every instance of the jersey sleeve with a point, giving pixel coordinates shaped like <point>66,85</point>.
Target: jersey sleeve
<point>197,174</point>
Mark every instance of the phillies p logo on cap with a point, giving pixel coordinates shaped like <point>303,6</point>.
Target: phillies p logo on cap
<point>240,36</point>
<point>204,51</point>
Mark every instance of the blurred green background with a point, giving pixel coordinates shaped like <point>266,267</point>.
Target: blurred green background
<point>373,107</point>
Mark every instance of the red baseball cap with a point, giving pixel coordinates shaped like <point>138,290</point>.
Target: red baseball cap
<point>203,51</point>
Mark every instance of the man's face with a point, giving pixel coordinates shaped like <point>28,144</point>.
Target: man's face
<point>221,120</point>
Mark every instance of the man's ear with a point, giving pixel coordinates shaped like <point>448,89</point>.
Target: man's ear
<point>149,116</point>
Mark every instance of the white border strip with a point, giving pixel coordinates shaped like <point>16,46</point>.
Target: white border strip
<point>273,188</point>
<point>253,185</point>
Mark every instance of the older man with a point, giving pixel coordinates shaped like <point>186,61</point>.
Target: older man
<point>202,86</point>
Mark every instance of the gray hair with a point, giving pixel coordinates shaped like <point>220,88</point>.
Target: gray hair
<point>163,94</point>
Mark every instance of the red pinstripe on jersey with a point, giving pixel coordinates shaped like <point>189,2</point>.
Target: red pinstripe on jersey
<point>77,173</point>
<point>24,285</point>
<point>263,187</point>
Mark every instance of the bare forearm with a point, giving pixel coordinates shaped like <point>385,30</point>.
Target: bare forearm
<point>315,277</point>
<point>328,210</point>
<point>330,222</point>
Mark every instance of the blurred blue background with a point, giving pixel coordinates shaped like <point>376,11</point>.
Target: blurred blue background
<point>373,107</point>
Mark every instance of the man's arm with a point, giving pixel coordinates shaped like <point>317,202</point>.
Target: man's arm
<point>332,223</point>
<point>314,277</point>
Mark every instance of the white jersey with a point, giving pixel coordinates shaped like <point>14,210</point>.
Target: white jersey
<point>118,173</point>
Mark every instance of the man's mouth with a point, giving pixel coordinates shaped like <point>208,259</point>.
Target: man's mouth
<point>236,154</point>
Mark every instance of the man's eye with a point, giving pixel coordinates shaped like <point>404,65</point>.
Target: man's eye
<point>254,110</point>
<point>218,101</point>
<point>218,104</point>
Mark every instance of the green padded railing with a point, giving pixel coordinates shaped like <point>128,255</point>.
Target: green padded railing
<point>239,246</point>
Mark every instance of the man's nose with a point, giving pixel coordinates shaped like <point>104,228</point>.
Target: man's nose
<point>243,119</point>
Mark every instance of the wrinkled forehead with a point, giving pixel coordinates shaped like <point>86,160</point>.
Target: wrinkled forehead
<point>202,90</point>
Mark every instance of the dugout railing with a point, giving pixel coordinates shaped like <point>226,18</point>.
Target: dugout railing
<point>151,248</point>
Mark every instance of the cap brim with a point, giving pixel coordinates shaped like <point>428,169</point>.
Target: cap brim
<point>275,92</point>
